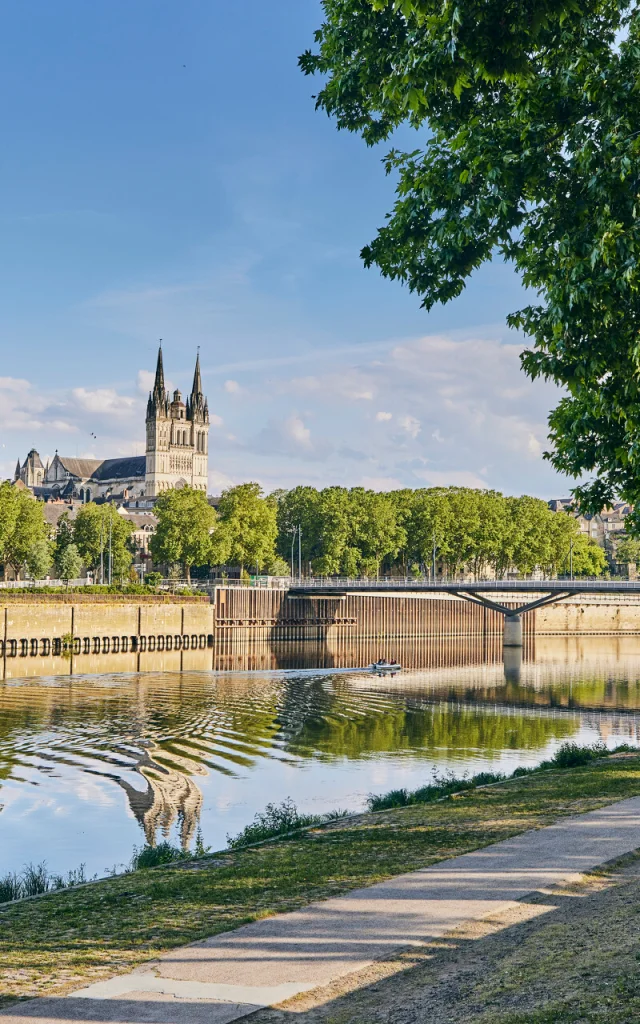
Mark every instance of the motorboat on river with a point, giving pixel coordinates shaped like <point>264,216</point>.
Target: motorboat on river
<point>385,668</point>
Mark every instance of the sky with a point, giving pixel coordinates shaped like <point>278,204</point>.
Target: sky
<point>164,174</point>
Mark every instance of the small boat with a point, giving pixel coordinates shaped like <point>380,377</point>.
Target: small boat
<point>385,668</point>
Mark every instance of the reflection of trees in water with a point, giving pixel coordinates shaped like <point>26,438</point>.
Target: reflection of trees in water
<point>156,735</point>
<point>346,730</point>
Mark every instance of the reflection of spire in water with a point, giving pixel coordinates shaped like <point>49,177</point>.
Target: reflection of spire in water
<point>170,797</point>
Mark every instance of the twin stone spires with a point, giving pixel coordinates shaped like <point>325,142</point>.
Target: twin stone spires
<point>160,404</point>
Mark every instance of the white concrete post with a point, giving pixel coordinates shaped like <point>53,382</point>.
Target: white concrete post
<point>512,631</point>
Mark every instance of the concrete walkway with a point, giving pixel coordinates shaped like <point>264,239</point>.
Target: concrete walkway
<point>230,976</point>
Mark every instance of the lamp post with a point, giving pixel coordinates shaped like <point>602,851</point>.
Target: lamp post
<point>299,552</point>
<point>434,557</point>
<point>571,559</point>
<point>293,542</point>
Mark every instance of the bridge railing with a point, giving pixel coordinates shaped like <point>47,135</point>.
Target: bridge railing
<point>409,583</point>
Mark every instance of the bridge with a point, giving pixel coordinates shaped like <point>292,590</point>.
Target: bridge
<point>482,592</point>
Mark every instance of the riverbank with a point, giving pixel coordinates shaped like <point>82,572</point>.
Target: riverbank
<point>65,940</point>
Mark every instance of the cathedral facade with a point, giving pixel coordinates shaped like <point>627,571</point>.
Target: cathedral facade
<point>177,454</point>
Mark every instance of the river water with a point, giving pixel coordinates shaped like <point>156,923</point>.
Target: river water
<point>93,765</point>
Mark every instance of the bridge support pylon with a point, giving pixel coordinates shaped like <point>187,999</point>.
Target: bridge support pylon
<point>512,631</point>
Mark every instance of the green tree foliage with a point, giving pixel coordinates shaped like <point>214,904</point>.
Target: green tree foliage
<point>186,523</point>
<point>248,528</point>
<point>64,537</point>
<point>530,151</point>
<point>40,559</point>
<point>628,550</point>
<point>357,532</point>
<point>24,547</point>
<point>69,563</point>
<point>91,530</point>
<point>8,514</point>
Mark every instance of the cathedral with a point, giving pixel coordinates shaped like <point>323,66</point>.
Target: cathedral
<point>177,454</point>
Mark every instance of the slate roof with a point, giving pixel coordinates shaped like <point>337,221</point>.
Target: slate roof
<point>54,510</point>
<point>81,468</point>
<point>121,469</point>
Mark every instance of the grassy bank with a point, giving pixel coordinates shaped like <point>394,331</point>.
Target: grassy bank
<point>63,939</point>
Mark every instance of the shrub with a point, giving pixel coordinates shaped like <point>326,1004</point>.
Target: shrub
<point>275,820</point>
<point>150,856</point>
<point>10,888</point>
<point>35,879</point>
<point>570,755</point>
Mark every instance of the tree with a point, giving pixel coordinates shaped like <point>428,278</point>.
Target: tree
<point>186,522</point>
<point>64,537</point>
<point>628,550</point>
<point>530,110</point>
<point>95,529</point>
<point>69,564</point>
<point>248,526</point>
<point>40,559</point>
<point>25,543</point>
<point>378,533</point>
<point>8,514</point>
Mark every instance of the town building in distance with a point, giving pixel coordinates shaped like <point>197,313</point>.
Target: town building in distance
<point>177,455</point>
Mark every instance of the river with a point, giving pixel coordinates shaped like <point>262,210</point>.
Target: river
<point>93,765</point>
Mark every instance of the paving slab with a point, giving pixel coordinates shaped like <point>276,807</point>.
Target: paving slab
<point>262,964</point>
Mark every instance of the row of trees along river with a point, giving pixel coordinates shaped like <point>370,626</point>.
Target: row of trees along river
<point>338,531</point>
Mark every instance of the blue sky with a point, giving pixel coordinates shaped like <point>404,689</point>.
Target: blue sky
<point>163,173</point>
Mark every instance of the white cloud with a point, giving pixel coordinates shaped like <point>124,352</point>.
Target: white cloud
<point>232,387</point>
<point>383,417</point>
<point>380,483</point>
<point>410,425</point>
<point>103,400</point>
<point>451,478</point>
<point>215,420</point>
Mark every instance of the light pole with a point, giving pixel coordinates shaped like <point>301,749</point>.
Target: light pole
<point>110,531</point>
<point>299,552</point>
<point>293,542</point>
<point>101,551</point>
<point>571,559</point>
<point>434,556</point>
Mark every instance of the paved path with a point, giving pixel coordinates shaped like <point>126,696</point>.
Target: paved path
<point>227,977</point>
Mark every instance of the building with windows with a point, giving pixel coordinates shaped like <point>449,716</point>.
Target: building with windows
<point>177,455</point>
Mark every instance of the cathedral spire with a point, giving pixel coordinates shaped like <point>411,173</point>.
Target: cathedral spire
<point>17,472</point>
<point>158,387</point>
<point>197,379</point>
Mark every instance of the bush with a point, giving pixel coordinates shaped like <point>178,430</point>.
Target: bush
<point>275,820</point>
<point>10,888</point>
<point>570,755</point>
<point>35,879</point>
<point>150,856</point>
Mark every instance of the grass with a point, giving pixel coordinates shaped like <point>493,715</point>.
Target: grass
<point>67,939</point>
<point>35,879</point>
<point>569,755</point>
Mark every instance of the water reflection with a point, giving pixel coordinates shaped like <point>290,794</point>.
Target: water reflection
<point>91,764</point>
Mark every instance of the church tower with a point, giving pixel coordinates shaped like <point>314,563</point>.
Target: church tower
<point>177,436</point>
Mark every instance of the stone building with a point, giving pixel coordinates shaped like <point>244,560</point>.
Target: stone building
<point>177,455</point>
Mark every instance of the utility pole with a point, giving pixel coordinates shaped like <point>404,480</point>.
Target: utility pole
<point>110,529</point>
<point>299,552</point>
<point>293,541</point>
